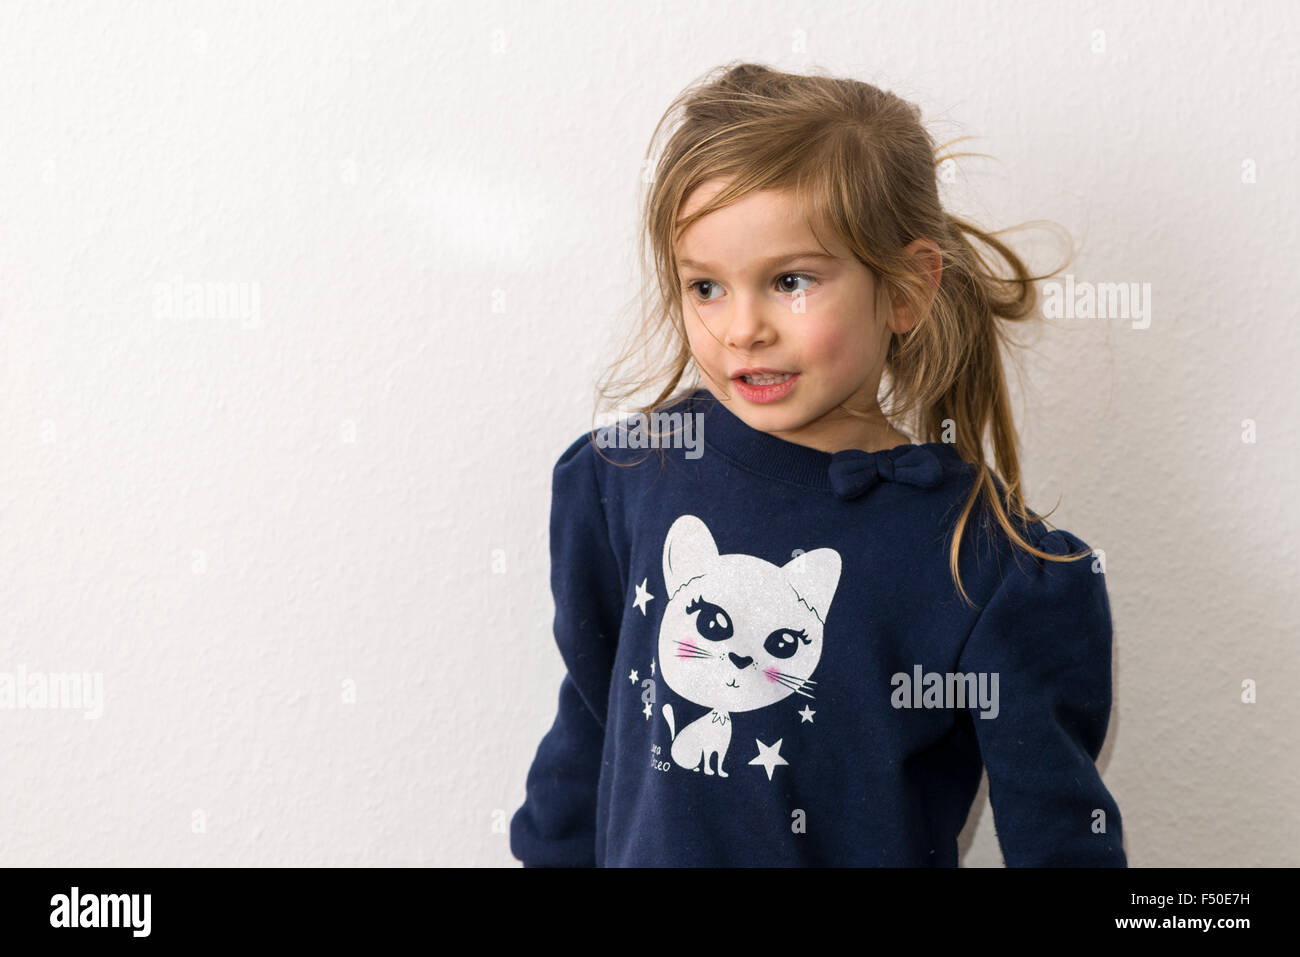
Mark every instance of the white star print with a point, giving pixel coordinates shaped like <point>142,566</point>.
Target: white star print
<point>769,756</point>
<point>806,714</point>
<point>632,676</point>
<point>648,710</point>
<point>642,595</point>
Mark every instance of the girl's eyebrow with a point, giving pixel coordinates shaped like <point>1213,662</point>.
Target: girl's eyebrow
<point>765,263</point>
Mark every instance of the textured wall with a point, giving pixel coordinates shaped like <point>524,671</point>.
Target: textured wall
<point>301,534</point>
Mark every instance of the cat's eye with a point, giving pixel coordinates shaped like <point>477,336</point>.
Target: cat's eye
<point>712,622</point>
<point>783,642</point>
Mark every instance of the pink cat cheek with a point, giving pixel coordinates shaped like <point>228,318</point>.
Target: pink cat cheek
<point>688,649</point>
<point>770,674</point>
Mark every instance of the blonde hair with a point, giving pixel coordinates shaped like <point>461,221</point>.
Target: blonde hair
<point>860,161</point>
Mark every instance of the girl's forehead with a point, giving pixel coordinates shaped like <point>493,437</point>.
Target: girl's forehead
<point>781,202</point>
<point>756,232</point>
<point>776,216</point>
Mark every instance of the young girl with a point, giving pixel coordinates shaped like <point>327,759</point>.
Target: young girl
<point>793,637</point>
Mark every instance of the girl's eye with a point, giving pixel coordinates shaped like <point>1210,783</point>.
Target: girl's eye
<point>781,284</point>
<point>780,281</point>
<point>700,282</point>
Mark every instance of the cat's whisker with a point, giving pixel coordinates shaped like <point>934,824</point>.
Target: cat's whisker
<point>793,682</point>
<point>806,681</point>
<point>688,649</point>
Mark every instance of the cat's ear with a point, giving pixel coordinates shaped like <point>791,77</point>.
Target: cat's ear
<point>814,576</point>
<point>689,550</point>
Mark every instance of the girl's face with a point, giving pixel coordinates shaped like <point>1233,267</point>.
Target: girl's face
<point>759,294</point>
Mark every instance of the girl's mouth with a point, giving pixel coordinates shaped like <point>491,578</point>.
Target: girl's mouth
<point>765,387</point>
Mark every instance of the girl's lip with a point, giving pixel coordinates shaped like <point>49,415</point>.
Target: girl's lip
<point>766,393</point>
<point>744,372</point>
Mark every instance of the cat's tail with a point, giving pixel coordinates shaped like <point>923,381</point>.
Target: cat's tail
<point>668,716</point>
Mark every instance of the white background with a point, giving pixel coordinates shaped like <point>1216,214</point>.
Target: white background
<point>235,518</point>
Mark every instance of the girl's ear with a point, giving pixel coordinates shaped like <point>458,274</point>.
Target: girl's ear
<point>929,259</point>
<point>928,262</point>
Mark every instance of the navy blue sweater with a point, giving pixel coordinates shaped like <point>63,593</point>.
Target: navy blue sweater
<point>768,663</point>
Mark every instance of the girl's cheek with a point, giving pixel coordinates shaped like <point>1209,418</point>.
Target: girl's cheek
<point>843,347</point>
<point>829,342</point>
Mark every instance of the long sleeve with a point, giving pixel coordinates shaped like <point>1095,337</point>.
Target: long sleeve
<point>556,826</point>
<point>1046,633</point>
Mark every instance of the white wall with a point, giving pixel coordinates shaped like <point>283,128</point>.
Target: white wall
<point>230,516</point>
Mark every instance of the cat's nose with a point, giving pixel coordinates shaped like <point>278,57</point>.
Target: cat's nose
<point>739,661</point>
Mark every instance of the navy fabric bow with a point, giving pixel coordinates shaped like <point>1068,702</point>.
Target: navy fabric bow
<point>853,472</point>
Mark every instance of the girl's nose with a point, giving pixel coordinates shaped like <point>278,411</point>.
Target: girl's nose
<point>747,327</point>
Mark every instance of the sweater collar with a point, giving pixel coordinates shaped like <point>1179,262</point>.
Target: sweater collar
<point>848,474</point>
